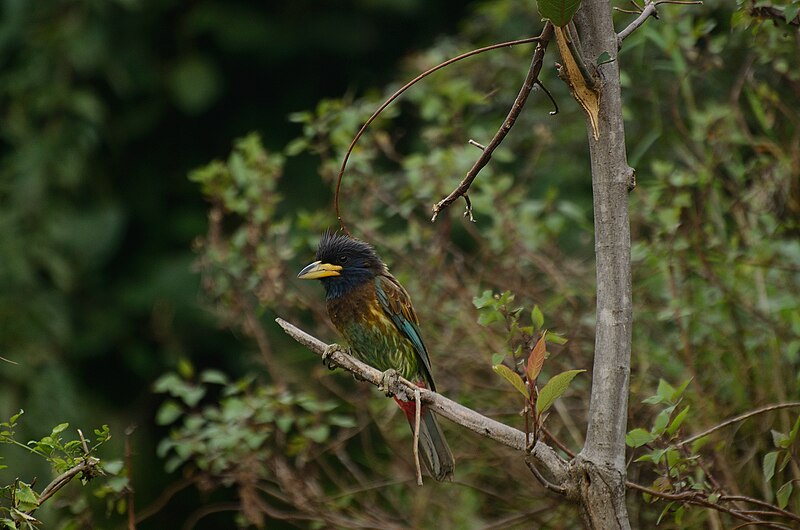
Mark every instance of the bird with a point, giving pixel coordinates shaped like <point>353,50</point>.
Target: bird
<point>373,313</point>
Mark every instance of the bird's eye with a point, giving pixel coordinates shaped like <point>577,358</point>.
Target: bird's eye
<point>343,260</point>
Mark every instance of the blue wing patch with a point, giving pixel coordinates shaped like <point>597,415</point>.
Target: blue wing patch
<point>396,303</point>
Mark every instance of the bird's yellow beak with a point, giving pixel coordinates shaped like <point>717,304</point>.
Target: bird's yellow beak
<point>316,270</point>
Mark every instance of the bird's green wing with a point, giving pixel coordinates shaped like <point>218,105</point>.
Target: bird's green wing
<point>396,303</point>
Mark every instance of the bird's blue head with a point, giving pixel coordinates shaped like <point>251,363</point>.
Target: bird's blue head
<point>343,263</point>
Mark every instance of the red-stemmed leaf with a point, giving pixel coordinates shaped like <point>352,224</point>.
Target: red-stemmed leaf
<point>536,359</point>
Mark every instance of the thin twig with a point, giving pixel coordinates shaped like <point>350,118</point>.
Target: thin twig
<point>129,494</point>
<point>83,443</point>
<point>739,418</point>
<point>397,94</point>
<point>476,144</point>
<point>561,490</point>
<point>544,455</point>
<point>649,10</point>
<point>550,96</point>
<point>768,524</point>
<point>759,502</point>
<point>561,445</point>
<point>87,465</point>
<point>773,13</point>
<point>417,414</point>
<point>516,108</point>
<point>163,499</point>
<point>698,498</point>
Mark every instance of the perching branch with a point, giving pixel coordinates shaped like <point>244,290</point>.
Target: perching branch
<point>544,456</point>
<point>530,80</point>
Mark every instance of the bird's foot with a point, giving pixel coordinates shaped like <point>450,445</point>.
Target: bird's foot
<point>389,379</point>
<point>330,349</point>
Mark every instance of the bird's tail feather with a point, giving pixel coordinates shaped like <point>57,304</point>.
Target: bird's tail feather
<point>433,447</point>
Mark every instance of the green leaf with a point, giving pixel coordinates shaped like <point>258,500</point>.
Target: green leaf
<point>660,425</point>
<point>554,338</point>
<point>484,300</point>
<point>639,437</point>
<point>780,439</point>
<point>664,512</point>
<point>604,58</point>
<point>665,390</point>
<point>787,457</point>
<point>214,377</point>
<point>769,465</point>
<point>699,444</point>
<point>559,12</point>
<point>61,427</point>
<point>783,494</point>
<point>26,498</point>
<point>112,467</point>
<point>553,389</point>
<point>512,377</point>
<point>796,427</point>
<point>318,433</point>
<point>15,417</point>
<point>790,12</point>
<point>677,421</point>
<point>487,316</point>
<point>168,413</point>
<point>537,317</point>
<point>678,392</point>
<point>497,358</point>
<point>340,420</point>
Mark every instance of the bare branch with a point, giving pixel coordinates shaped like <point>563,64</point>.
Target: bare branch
<point>396,95</point>
<point>531,79</point>
<point>774,14</point>
<point>88,465</point>
<point>739,418</point>
<point>647,11</point>
<point>545,456</point>
<point>771,507</point>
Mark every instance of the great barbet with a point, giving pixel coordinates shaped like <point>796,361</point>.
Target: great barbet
<point>373,312</point>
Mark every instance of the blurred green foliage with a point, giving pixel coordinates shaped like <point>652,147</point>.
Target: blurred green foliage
<point>106,106</point>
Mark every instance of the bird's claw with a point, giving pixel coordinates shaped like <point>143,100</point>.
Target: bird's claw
<point>327,359</point>
<point>389,379</point>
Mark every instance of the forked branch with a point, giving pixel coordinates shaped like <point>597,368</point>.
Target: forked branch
<point>649,10</point>
<point>530,80</point>
<point>396,95</point>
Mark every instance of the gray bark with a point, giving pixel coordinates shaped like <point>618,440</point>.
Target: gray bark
<point>598,472</point>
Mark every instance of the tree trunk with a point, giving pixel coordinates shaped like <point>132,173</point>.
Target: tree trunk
<point>599,470</point>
